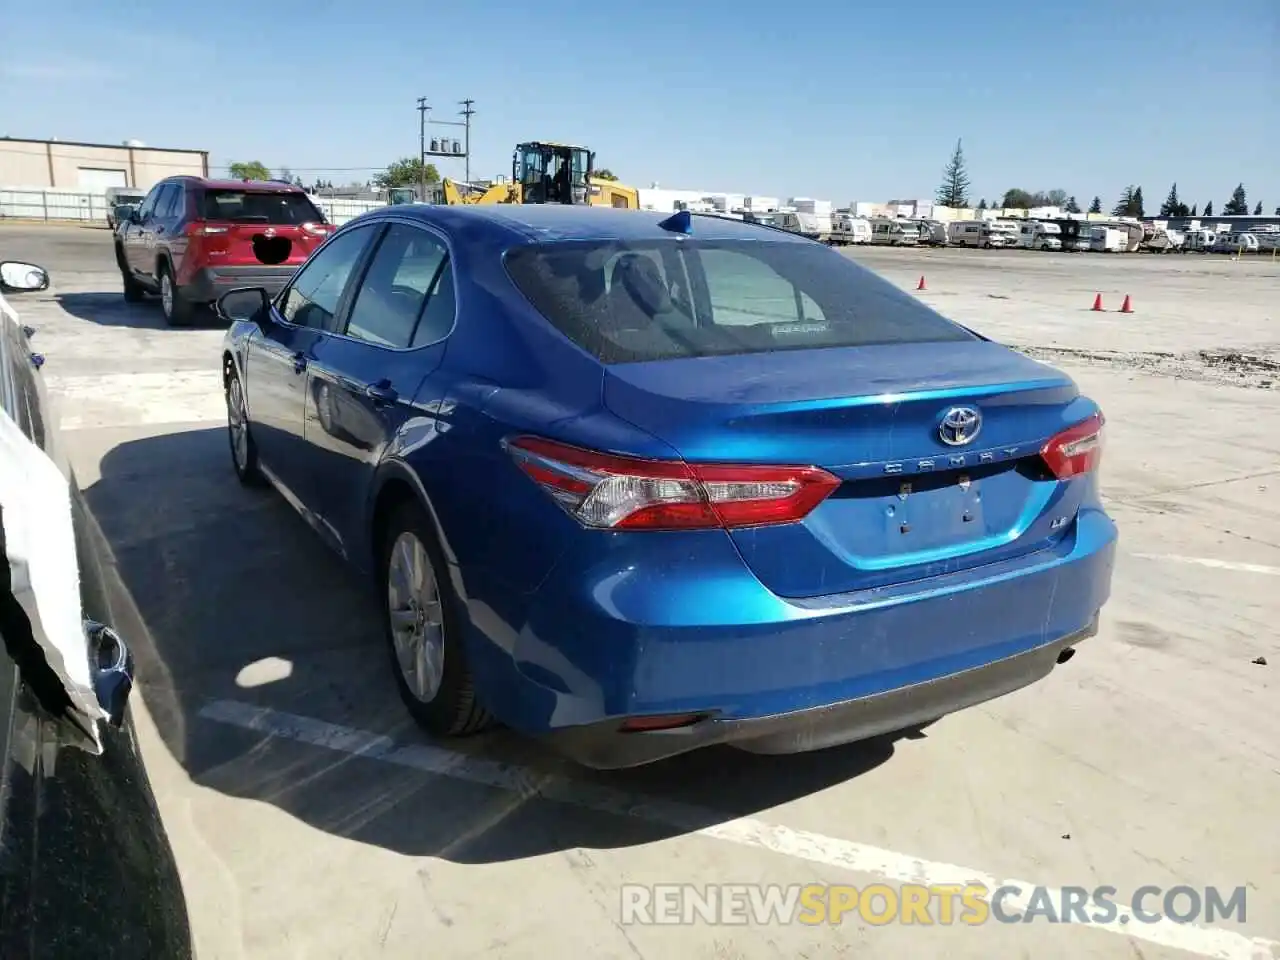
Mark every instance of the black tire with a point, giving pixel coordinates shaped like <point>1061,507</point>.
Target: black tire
<point>177,310</point>
<point>452,709</point>
<point>245,464</point>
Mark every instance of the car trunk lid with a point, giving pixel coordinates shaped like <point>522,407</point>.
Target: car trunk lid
<point>910,505</point>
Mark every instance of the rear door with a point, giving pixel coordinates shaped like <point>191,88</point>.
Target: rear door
<point>277,359</point>
<point>166,225</point>
<point>363,383</point>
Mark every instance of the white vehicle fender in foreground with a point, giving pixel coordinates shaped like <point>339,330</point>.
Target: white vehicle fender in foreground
<point>40,544</point>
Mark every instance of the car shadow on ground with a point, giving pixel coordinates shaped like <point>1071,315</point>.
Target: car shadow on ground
<point>230,597</point>
<point>112,310</point>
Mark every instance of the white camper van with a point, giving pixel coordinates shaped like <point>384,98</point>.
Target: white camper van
<point>812,225</point>
<point>1236,242</point>
<point>1108,239</point>
<point>1034,235</point>
<point>976,233</point>
<point>1008,229</point>
<point>846,228</point>
<point>1201,240</point>
<point>894,233</point>
<point>933,233</point>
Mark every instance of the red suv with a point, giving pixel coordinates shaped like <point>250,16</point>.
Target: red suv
<point>193,239</point>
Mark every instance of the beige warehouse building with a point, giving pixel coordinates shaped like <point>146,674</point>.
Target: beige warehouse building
<point>93,167</point>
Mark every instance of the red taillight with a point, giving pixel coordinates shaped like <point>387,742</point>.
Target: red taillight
<point>318,229</point>
<point>1075,450</point>
<point>612,492</point>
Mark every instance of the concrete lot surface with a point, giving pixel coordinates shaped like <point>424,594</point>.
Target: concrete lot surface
<point>311,819</point>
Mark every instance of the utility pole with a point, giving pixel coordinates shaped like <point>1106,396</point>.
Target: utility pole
<point>422,149</point>
<point>467,114</point>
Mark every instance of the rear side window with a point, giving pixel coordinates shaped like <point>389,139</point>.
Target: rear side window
<point>668,299</point>
<point>170,204</point>
<point>259,206</point>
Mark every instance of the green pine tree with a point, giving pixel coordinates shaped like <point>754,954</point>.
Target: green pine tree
<point>1238,205</point>
<point>954,191</point>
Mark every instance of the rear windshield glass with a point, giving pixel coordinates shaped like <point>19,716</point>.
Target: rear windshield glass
<point>255,206</point>
<point>666,299</point>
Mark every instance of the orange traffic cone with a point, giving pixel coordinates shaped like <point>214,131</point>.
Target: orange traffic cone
<point>920,285</point>
<point>1097,303</point>
<point>1126,307</point>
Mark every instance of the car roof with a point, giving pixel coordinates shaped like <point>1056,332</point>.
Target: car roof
<point>553,222</point>
<point>271,186</point>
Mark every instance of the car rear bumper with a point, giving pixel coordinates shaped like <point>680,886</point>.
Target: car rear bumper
<point>603,746</point>
<point>692,631</point>
<point>209,283</point>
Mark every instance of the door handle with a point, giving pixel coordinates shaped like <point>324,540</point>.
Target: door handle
<point>381,392</point>
<point>299,362</point>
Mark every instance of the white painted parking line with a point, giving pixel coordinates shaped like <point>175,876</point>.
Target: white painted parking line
<point>1220,944</point>
<point>136,399</point>
<point>1216,564</point>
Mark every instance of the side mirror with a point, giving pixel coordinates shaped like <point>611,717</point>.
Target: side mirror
<point>18,277</point>
<point>246,303</point>
<point>123,212</point>
<point>112,670</point>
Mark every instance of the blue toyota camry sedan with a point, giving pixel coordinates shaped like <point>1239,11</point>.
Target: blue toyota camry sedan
<point>640,483</point>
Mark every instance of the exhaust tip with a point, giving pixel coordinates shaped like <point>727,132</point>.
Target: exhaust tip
<point>1066,654</point>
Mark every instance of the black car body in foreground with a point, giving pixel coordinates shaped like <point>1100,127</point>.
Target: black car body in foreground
<point>86,869</point>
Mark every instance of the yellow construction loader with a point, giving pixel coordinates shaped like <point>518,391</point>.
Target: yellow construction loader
<point>544,172</point>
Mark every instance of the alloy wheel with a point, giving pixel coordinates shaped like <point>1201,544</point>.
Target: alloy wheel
<point>416,617</point>
<point>238,424</point>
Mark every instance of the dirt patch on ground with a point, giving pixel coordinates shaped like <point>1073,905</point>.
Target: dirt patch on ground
<point>1255,368</point>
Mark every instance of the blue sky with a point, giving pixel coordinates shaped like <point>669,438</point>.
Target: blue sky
<point>844,101</point>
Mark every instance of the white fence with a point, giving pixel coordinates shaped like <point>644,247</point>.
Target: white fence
<point>36,204</point>
<point>341,209</point>
<point>28,203</point>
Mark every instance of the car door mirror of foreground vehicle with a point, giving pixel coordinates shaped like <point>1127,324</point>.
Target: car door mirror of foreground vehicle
<point>19,277</point>
<point>246,303</point>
